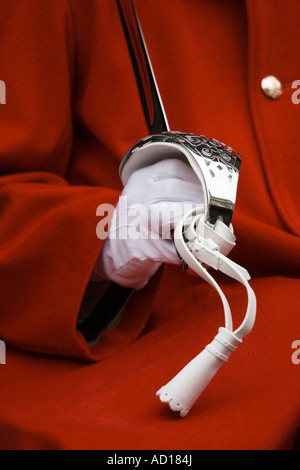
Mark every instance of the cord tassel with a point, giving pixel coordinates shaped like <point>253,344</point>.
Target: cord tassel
<point>186,387</point>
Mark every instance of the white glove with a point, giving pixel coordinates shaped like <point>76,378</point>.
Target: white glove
<point>139,238</point>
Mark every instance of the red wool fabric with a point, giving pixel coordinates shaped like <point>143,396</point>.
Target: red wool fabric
<point>72,110</point>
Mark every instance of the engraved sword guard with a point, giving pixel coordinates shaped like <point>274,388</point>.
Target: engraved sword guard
<point>216,165</point>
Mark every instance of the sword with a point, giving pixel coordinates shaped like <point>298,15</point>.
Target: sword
<point>209,238</point>
<point>152,105</point>
<point>216,165</point>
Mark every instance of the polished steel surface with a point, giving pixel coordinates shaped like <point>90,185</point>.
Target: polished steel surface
<point>149,94</point>
<point>216,165</point>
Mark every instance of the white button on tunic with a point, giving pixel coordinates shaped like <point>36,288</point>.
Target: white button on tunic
<point>271,87</point>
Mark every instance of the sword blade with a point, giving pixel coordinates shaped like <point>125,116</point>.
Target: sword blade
<point>152,105</point>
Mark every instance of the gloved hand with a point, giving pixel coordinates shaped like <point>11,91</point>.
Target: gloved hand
<point>139,238</point>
